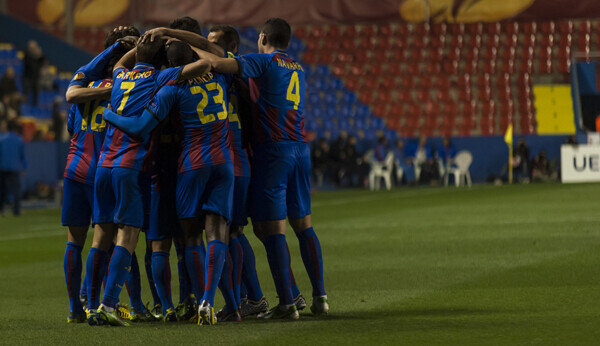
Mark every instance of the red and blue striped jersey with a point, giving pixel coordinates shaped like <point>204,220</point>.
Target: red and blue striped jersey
<point>87,128</point>
<point>132,90</point>
<point>277,88</point>
<point>202,104</point>
<point>241,165</point>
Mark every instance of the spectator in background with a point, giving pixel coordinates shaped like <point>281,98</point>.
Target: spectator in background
<point>9,94</point>
<point>572,140</point>
<point>58,120</point>
<point>446,155</point>
<point>426,169</point>
<point>320,160</point>
<point>541,170</point>
<point>33,62</point>
<point>381,149</point>
<point>351,167</point>
<point>12,164</point>
<point>48,77</point>
<point>404,164</point>
<point>521,165</point>
<point>8,83</point>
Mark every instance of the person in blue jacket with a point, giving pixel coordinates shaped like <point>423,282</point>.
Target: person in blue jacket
<point>12,164</point>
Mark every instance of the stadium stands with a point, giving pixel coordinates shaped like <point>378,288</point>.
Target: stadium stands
<point>432,79</point>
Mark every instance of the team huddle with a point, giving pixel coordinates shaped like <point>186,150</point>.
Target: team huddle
<point>175,135</point>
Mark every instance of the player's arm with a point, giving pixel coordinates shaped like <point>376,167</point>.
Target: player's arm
<point>71,120</point>
<point>127,61</point>
<point>80,94</point>
<point>188,37</point>
<point>154,113</point>
<point>78,91</point>
<point>195,69</point>
<point>218,64</point>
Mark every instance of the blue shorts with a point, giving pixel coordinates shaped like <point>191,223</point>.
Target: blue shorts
<point>280,181</point>
<point>117,197</point>
<point>77,203</point>
<point>145,182</point>
<point>163,213</point>
<point>240,201</point>
<point>205,189</point>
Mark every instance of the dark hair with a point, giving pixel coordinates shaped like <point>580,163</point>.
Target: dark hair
<point>230,40</point>
<point>151,51</point>
<point>113,36</point>
<point>278,32</point>
<point>13,126</point>
<point>186,23</point>
<point>179,53</point>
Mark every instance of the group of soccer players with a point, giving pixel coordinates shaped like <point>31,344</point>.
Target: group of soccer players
<point>166,130</point>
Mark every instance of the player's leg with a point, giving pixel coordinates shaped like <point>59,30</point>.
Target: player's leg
<point>104,233</point>
<point>76,215</point>
<point>129,213</point>
<point>186,308</point>
<point>268,218</point>
<point>217,206</point>
<point>161,271</point>
<point>216,255</point>
<point>195,255</point>
<point>298,206</point>
<point>190,188</point>
<point>156,307</point>
<point>299,300</point>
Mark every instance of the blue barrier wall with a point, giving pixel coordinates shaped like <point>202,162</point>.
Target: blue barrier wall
<point>490,156</point>
<point>60,53</point>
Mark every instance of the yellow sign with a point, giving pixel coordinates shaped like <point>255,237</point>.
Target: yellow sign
<point>554,109</point>
<point>465,11</point>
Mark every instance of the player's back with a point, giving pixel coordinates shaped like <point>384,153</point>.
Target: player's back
<point>241,165</point>
<point>132,90</point>
<point>277,85</point>
<point>87,127</point>
<point>202,105</point>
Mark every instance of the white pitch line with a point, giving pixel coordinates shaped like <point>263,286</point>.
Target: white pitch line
<point>32,235</point>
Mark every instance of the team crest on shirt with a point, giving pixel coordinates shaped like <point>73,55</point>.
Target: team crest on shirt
<point>78,76</point>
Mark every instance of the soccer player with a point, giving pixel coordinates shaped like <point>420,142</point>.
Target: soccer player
<point>282,156</point>
<point>89,91</point>
<point>223,40</point>
<point>117,197</point>
<point>205,180</point>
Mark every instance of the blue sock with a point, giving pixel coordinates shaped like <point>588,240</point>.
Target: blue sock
<point>216,252</point>
<point>118,271</point>
<point>249,277</point>
<point>194,262</point>
<point>72,268</point>
<point>226,284</point>
<point>161,272</point>
<point>134,285</point>
<point>95,268</point>
<point>295,289</point>
<point>310,250</point>
<point>149,274</point>
<point>108,257</point>
<point>235,251</point>
<point>243,292</point>
<point>279,262</point>
<point>83,290</point>
<point>185,286</point>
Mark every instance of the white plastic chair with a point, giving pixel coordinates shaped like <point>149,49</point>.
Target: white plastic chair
<point>462,161</point>
<point>381,170</point>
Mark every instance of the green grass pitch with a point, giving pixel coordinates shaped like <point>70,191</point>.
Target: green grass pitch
<point>499,265</point>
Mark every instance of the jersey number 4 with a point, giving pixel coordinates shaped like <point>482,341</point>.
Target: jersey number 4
<point>218,99</point>
<point>293,90</point>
